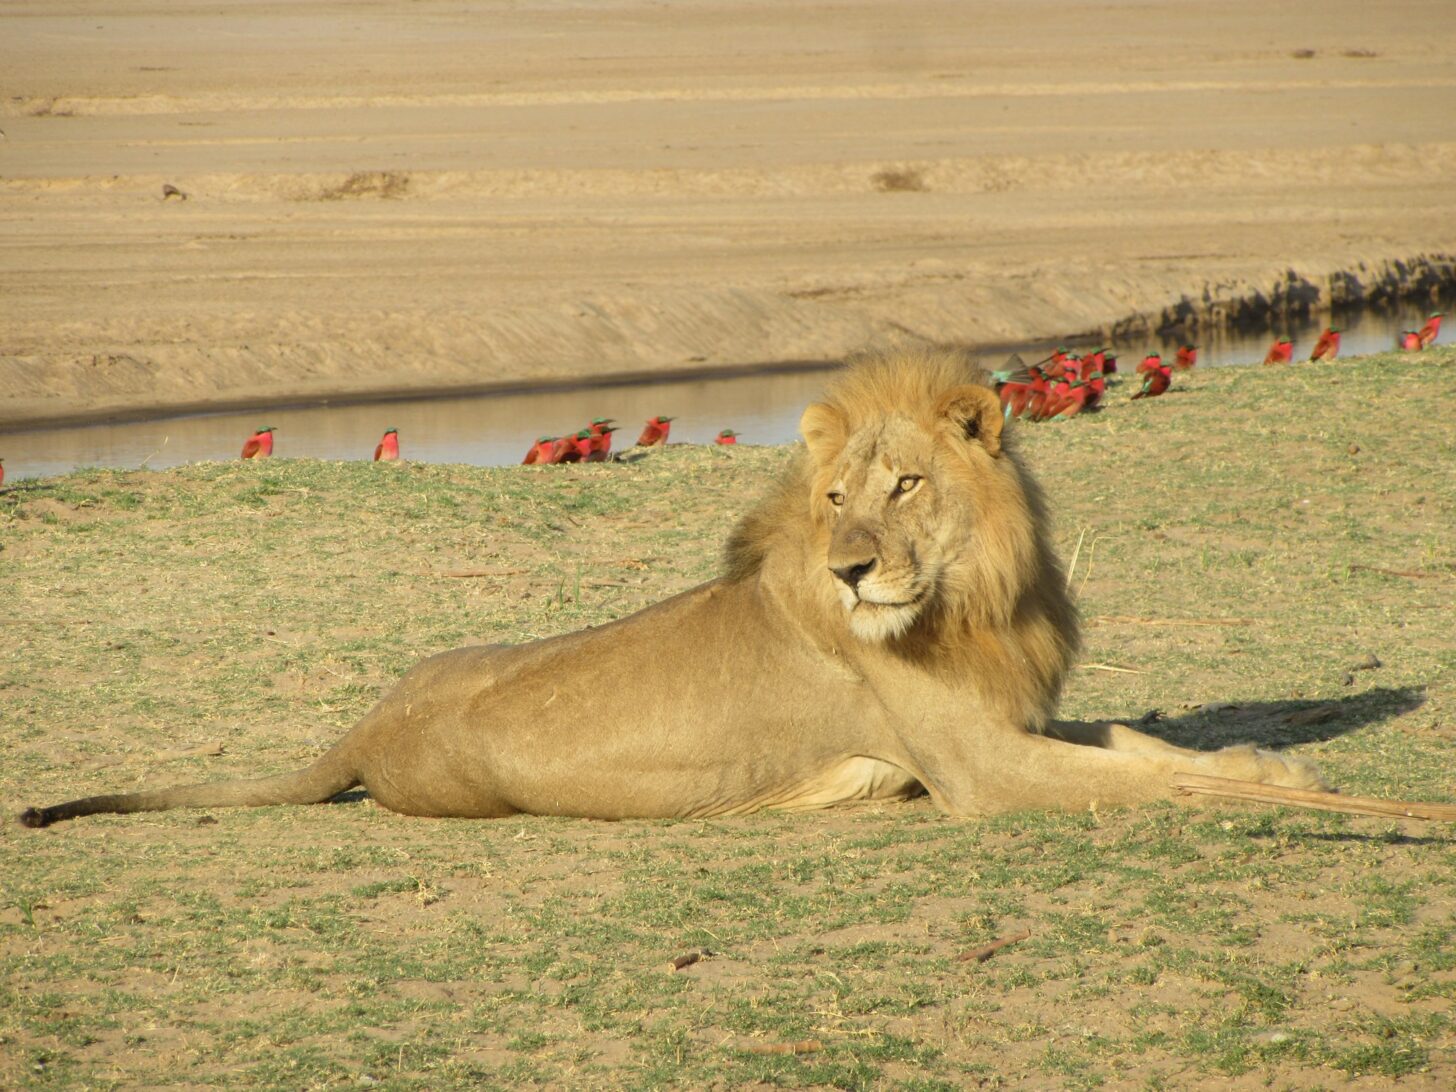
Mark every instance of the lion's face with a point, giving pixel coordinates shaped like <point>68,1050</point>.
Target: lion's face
<point>912,506</point>
<point>885,503</point>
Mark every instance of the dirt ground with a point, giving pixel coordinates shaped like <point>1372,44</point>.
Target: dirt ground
<point>411,196</point>
<point>1258,555</point>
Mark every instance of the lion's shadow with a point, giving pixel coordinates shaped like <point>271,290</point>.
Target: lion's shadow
<point>1277,724</point>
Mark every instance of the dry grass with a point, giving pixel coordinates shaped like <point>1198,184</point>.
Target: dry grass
<point>150,616</point>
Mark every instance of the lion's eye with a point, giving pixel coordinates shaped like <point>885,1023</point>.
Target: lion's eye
<point>907,483</point>
<point>836,499</point>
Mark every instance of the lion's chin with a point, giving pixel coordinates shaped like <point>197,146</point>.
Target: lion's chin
<point>876,622</point>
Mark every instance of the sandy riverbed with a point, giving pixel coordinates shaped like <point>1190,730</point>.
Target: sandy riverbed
<point>414,196</point>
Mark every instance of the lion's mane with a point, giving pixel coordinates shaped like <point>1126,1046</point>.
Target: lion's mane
<point>1002,616</point>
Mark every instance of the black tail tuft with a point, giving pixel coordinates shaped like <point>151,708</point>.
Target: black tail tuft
<point>35,817</point>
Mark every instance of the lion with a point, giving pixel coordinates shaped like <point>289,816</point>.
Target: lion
<point>891,620</point>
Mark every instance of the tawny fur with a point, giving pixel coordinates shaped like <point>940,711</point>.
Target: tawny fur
<point>891,620</point>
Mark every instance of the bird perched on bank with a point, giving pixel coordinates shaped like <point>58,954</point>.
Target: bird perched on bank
<point>1328,345</point>
<point>540,453</point>
<point>1071,398</point>
<point>599,424</point>
<point>1410,341</point>
<point>726,437</point>
<point>1022,389</point>
<point>2,471</point>
<point>1428,332</point>
<point>1187,357</point>
<point>1150,363</point>
<point>260,444</point>
<point>1155,381</point>
<point>1109,362</point>
<point>387,450</point>
<point>572,449</point>
<point>599,442</point>
<point>1093,362</point>
<point>1057,362</point>
<point>1281,352</point>
<point>655,433</point>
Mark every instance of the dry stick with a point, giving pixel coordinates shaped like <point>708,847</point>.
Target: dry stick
<point>980,955</point>
<point>1119,670</point>
<point>687,959</point>
<point>202,750</point>
<point>803,1046</point>
<point>1072,568</point>
<point>1129,620</point>
<point>465,574</point>
<point>1308,798</point>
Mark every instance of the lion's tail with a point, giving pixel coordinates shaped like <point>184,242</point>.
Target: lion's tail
<point>325,779</point>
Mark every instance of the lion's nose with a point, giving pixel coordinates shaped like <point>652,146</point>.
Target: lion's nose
<point>853,574</point>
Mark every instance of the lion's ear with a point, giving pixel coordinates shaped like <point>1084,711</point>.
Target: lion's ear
<point>975,413</point>
<point>823,429</point>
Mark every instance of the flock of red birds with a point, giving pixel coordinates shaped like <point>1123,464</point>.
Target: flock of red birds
<point>1065,384</point>
<point>1062,385</point>
<point>592,444</point>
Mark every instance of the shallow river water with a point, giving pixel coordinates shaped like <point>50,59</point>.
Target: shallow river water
<point>495,430</point>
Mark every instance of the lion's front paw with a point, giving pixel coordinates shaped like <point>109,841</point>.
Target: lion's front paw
<point>1248,763</point>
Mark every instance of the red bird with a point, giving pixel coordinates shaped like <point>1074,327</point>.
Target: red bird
<point>599,442</point>
<point>599,425</point>
<point>540,453</point>
<point>1109,363</point>
<point>1410,341</point>
<point>1073,401</point>
<point>726,437</point>
<point>2,471</point>
<point>572,449</point>
<point>1158,380</point>
<point>387,450</point>
<point>1151,363</point>
<point>1187,357</point>
<point>1428,332</point>
<point>1093,363</point>
<point>1018,398</point>
<point>1328,345</point>
<point>1281,352</point>
<point>655,434</point>
<point>260,444</point>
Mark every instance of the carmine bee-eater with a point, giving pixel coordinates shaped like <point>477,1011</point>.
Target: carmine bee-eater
<point>1156,381</point>
<point>1109,363</point>
<point>1150,363</point>
<point>1187,357</point>
<point>599,425</point>
<point>655,433</point>
<point>540,453</point>
<point>1281,352</point>
<point>1428,332</point>
<point>1410,341</point>
<point>599,442</point>
<point>1328,345</point>
<point>1022,390</point>
<point>572,449</point>
<point>387,450</point>
<point>2,471</point>
<point>726,437</point>
<point>1073,400</point>
<point>260,444</point>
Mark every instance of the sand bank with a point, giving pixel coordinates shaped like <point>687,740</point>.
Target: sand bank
<point>428,196</point>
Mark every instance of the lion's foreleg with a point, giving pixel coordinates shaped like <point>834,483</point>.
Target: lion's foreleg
<point>1106,766</point>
